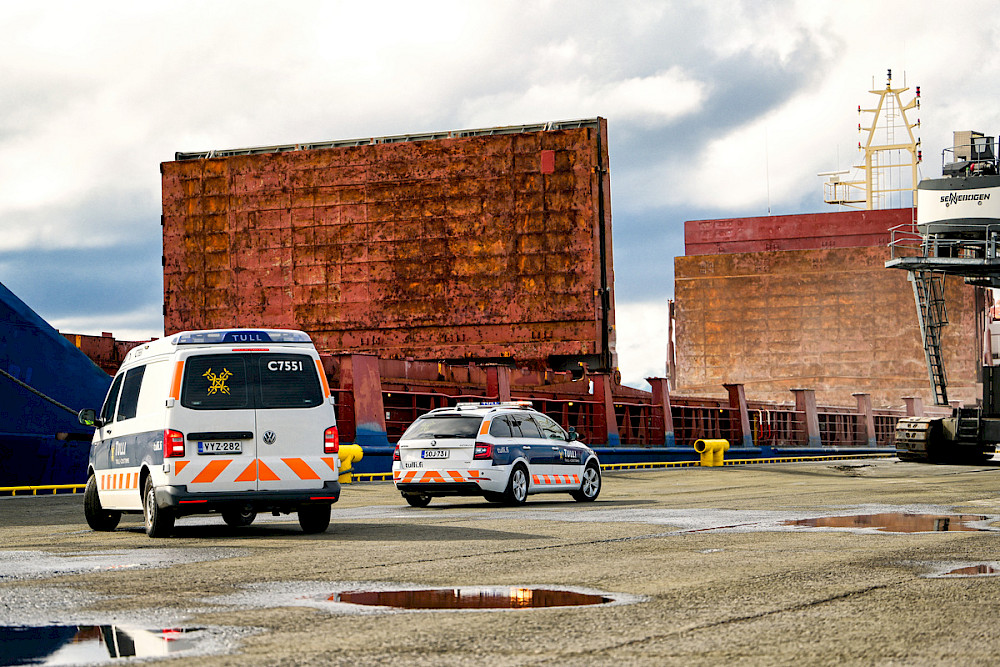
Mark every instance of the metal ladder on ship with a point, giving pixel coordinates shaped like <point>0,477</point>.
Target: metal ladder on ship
<point>932,316</point>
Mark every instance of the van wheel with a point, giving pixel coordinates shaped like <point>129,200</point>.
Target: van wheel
<point>417,499</point>
<point>591,485</point>
<point>238,517</point>
<point>314,518</point>
<point>159,522</point>
<point>98,518</point>
<point>517,486</point>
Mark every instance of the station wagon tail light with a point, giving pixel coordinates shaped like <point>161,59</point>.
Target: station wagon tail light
<point>395,453</point>
<point>331,440</point>
<point>173,444</point>
<point>483,450</point>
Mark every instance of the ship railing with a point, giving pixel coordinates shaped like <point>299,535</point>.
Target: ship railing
<point>905,241</point>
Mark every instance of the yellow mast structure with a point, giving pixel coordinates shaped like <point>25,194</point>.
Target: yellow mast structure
<point>885,156</point>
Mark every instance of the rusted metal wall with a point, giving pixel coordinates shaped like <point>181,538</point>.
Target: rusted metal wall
<point>480,247</point>
<point>834,320</point>
<point>809,231</point>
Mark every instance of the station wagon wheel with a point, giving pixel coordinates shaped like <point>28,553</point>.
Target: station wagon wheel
<point>159,522</point>
<point>591,485</point>
<point>98,518</point>
<point>417,499</point>
<point>517,486</point>
<point>238,517</point>
<point>314,518</point>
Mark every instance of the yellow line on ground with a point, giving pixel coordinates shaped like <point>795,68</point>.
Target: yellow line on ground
<point>387,476</point>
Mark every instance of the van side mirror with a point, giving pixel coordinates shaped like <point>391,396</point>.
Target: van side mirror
<point>88,417</point>
<point>573,435</point>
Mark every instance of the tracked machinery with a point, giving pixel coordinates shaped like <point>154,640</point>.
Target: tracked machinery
<point>956,233</point>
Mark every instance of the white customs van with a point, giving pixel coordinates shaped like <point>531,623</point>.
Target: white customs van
<point>234,421</point>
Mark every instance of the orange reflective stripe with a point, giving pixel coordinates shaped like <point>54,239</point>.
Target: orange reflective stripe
<point>535,480</point>
<point>485,428</point>
<point>546,478</point>
<point>265,474</point>
<point>408,477</point>
<point>135,480</point>
<point>175,386</point>
<point>249,474</point>
<point>322,376</point>
<point>180,465</point>
<point>432,476</point>
<point>330,461</point>
<point>576,479</point>
<point>301,468</point>
<point>456,476</point>
<point>211,471</point>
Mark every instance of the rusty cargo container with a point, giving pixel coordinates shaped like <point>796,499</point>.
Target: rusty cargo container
<point>485,245</point>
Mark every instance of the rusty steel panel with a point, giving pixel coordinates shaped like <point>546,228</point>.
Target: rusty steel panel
<point>847,229</point>
<point>480,247</point>
<point>834,320</point>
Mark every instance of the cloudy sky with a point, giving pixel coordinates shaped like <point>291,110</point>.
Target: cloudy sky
<point>715,109</point>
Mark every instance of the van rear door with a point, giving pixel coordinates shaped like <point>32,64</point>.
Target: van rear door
<point>292,416</point>
<point>219,424</point>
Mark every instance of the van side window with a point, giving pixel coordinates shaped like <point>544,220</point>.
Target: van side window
<point>130,393</point>
<point>500,427</point>
<point>215,382</point>
<point>108,411</point>
<point>288,381</point>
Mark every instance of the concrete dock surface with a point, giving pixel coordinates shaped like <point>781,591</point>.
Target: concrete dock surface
<point>835,562</point>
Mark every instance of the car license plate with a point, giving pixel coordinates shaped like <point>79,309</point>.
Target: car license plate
<point>231,447</point>
<point>435,454</point>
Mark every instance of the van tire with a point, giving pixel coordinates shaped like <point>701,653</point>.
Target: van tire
<point>314,518</point>
<point>98,518</point>
<point>159,522</point>
<point>517,486</point>
<point>417,499</point>
<point>239,517</point>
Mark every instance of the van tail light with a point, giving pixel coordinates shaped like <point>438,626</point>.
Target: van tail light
<point>331,440</point>
<point>173,444</point>
<point>483,450</point>
<point>395,453</point>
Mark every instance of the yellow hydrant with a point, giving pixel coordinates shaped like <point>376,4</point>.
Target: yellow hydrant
<point>711,451</point>
<point>348,455</point>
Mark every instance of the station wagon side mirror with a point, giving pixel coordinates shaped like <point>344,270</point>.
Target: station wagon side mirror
<point>88,417</point>
<point>573,435</point>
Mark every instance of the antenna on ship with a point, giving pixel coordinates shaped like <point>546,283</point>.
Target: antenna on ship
<point>891,154</point>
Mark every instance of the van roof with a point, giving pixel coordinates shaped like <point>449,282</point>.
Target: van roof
<point>220,337</point>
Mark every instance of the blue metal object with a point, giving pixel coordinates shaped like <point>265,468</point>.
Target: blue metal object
<point>41,443</point>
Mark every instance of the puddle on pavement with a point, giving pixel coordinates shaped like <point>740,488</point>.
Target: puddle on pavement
<point>896,522</point>
<point>980,570</point>
<point>90,644</point>
<point>502,597</point>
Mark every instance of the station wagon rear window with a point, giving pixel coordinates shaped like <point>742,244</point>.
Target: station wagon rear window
<point>443,426</point>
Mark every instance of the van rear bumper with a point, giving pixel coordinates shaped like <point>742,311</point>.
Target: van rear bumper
<point>179,499</point>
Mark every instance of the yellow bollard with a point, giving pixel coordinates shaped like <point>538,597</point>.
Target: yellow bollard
<point>711,451</point>
<point>348,455</point>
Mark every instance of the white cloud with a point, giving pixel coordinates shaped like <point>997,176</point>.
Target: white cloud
<point>641,340</point>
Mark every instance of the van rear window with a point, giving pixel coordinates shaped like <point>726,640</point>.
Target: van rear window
<point>250,381</point>
<point>216,382</point>
<point>288,381</point>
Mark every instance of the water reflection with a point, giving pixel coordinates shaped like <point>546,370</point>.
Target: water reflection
<point>895,522</point>
<point>502,597</point>
<point>75,644</point>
